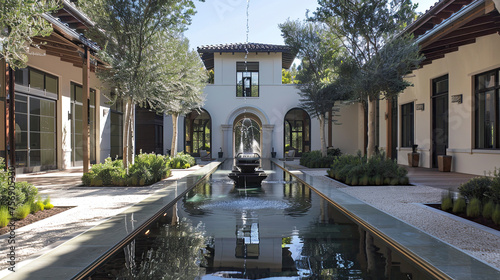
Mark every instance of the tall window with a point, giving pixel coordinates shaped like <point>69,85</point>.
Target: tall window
<point>35,101</point>
<point>197,127</point>
<point>247,79</point>
<point>297,131</point>
<point>77,125</point>
<point>407,125</point>
<point>487,88</point>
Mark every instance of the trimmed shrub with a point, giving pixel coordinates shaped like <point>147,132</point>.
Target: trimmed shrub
<point>459,206</point>
<point>496,215</point>
<point>48,206</point>
<point>377,170</point>
<point>488,209</point>
<point>149,168</point>
<point>22,192</point>
<point>478,187</point>
<point>22,211</point>
<point>4,216</point>
<point>446,202</point>
<point>474,208</point>
<point>182,161</point>
<point>495,187</point>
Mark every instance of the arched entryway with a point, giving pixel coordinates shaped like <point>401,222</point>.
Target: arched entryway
<point>297,132</point>
<point>198,132</point>
<point>247,134</point>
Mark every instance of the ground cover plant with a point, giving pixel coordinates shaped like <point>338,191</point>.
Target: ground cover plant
<point>23,199</point>
<point>146,170</point>
<point>358,170</point>
<point>315,160</point>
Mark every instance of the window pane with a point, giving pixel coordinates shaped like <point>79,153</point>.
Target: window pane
<point>21,106</point>
<point>34,123</point>
<point>485,81</point>
<point>35,140</point>
<point>35,106</point>
<point>78,94</point>
<point>92,97</point>
<point>21,122</point>
<point>36,79</point>
<point>407,122</point>
<point>48,158</point>
<point>47,141</point>
<point>47,108</point>
<point>51,84</point>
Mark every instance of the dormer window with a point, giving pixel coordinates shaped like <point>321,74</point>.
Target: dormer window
<point>247,79</point>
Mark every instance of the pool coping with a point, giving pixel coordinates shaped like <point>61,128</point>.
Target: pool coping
<point>440,259</point>
<point>81,254</point>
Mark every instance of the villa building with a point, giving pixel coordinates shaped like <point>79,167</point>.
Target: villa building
<point>50,103</point>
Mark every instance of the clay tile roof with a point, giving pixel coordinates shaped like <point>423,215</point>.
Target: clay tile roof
<point>207,51</point>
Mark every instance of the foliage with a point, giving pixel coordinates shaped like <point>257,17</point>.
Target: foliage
<point>22,211</point>
<point>496,215</point>
<point>23,191</point>
<point>477,187</point>
<point>36,206</point>
<point>182,161</point>
<point>474,207</point>
<point>20,21</point>
<point>315,160</point>
<point>359,170</point>
<point>4,216</point>
<point>459,206</point>
<point>488,209</point>
<point>495,186</point>
<point>446,201</point>
<point>319,53</point>
<point>48,206</point>
<point>370,32</point>
<point>147,169</point>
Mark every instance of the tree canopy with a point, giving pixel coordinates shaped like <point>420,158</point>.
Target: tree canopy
<point>20,21</point>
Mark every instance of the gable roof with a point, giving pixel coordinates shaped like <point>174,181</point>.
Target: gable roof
<point>207,52</point>
<point>450,24</point>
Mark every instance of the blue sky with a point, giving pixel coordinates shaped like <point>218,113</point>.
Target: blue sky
<point>224,21</point>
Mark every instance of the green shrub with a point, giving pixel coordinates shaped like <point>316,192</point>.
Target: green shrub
<point>48,206</point>
<point>182,161</point>
<point>478,187</point>
<point>151,168</point>
<point>314,159</point>
<point>488,209</point>
<point>22,192</point>
<point>377,170</point>
<point>495,187</point>
<point>446,201</point>
<point>4,216</point>
<point>459,206</point>
<point>46,200</point>
<point>36,206</point>
<point>22,211</point>
<point>474,208</point>
<point>496,215</point>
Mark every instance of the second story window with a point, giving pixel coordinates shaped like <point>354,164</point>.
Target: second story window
<point>247,79</point>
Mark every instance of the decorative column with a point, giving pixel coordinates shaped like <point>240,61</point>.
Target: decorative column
<point>267,140</point>
<point>227,143</point>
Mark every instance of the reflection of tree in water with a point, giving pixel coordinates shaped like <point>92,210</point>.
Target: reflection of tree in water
<point>177,253</point>
<point>299,197</point>
<point>197,197</point>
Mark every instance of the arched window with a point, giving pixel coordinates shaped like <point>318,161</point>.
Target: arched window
<point>197,129</point>
<point>297,131</point>
<point>247,134</point>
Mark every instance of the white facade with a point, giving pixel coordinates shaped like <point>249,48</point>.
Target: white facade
<point>224,107</point>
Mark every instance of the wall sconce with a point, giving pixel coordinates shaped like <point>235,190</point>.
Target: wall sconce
<point>420,107</point>
<point>456,98</point>
<point>69,115</point>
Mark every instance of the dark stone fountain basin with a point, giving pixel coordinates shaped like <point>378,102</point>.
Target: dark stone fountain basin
<point>245,173</point>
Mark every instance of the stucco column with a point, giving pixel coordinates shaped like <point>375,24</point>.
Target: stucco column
<point>267,140</point>
<point>227,143</point>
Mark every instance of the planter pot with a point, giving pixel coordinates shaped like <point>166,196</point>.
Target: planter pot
<point>221,154</point>
<point>444,163</point>
<point>413,159</point>
<point>273,154</point>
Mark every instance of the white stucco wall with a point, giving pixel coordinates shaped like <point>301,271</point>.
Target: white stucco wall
<point>461,66</point>
<point>66,74</point>
<point>345,133</point>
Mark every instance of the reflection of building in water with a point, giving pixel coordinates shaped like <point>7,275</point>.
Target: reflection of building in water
<point>247,241</point>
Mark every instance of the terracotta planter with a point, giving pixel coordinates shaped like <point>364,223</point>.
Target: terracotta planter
<point>444,163</point>
<point>413,159</point>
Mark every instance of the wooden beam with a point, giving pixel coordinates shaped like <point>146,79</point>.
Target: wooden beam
<point>12,118</point>
<point>85,111</point>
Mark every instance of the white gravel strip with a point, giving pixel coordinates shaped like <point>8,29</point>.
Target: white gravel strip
<point>93,205</point>
<point>404,203</point>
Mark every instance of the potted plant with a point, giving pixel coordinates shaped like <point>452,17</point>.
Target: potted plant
<point>444,162</point>
<point>273,153</point>
<point>221,153</point>
<point>414,157</point>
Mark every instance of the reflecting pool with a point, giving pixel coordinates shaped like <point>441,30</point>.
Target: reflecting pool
<point>283,230</point>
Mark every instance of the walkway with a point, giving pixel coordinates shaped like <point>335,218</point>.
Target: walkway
<point>434,178</point>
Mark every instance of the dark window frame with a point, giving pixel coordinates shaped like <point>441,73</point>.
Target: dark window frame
<point>251,67</point>
<point>481,141</point>
<point>408,124</point>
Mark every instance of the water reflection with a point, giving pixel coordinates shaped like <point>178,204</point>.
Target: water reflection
<point>280,230</point>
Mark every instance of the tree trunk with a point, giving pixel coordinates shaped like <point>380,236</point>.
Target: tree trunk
<point>126,131</point>
<point>322,134</point>
<point>173,150</point>
<point>131,113</point>
<point>372,106</point>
